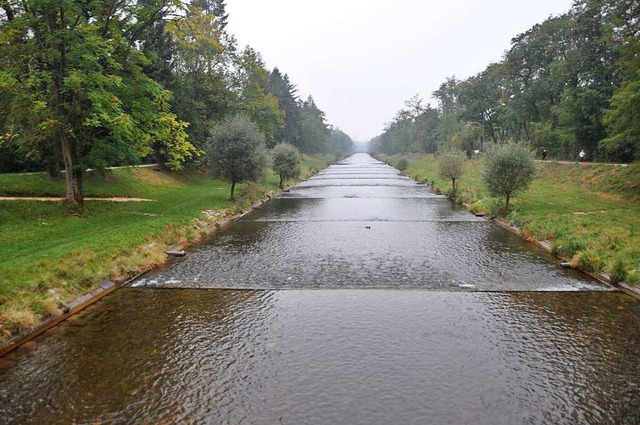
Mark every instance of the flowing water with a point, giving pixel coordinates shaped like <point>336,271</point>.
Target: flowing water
<point>359,297</point>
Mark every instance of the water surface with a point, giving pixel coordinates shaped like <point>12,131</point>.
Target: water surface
<point>358,297</point>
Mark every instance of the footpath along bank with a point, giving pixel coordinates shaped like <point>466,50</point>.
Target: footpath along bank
<point>587,214</point>
<point>52,263</point>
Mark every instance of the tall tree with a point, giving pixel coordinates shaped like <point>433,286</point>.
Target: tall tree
<point>286,93</point>
<point>74,72</point>
<point>255,101</point>
<point>314,133</point>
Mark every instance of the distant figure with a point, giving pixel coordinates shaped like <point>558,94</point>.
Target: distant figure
<point>544,154</point>
<point>581,155</point>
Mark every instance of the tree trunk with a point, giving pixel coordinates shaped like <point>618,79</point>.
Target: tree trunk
<point>233,187</point>
<point>73,178</point>
<point>52,169</point>
<point>453,186</point>
<point>281,179</point>
<point>506,204</point>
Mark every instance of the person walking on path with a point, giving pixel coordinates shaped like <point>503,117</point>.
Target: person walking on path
<point>544,154</point>
<point>581,155</point>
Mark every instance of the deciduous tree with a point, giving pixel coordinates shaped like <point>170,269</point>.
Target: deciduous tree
<point>236,150</point>
<point>509,169</point>
<point>286,161</point>
<point>451,165</point>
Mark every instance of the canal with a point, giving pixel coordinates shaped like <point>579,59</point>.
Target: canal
<point>359,297</point>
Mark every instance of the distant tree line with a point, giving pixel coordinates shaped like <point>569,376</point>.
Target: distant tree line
<point>568,84</point>
<point>90,84</point>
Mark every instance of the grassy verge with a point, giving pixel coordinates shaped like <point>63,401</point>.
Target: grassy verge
<point>590,213</point>
<point>48,256</point>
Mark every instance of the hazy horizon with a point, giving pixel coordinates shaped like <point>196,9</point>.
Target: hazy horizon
<point>361,64</point>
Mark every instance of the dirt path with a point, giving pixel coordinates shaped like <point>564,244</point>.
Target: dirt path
<point>60,198</point>
<point>584,162</point>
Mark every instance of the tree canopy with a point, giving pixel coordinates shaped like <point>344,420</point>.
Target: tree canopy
<point>567,84</point>
<point>96,84</point>
<point>237,152</point>
<point>286,161</point>
<point>509,169</point>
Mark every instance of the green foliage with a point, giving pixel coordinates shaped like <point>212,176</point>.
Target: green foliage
<point>592,207</point>
<point>402,163</point>
<point>236,150</point>
<point>509,169</point>
<point>77,89</point>
<point>617,269</point>
<point>566,84</point>
<point>568,246</point>
<point>451,165</point>
<point>588,260</point>
<point>48,255</point>
<point>285,161</point>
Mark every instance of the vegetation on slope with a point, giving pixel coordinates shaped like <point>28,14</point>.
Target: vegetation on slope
<point>590,213</point>
<point>50,256</point>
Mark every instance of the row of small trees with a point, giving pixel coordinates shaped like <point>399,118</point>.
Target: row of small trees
<point>237,152</point>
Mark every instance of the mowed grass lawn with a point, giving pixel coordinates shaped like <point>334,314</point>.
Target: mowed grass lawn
<point>48,256</point>
<point>589,212</point>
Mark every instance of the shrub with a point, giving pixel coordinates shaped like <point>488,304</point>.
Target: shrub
<point>617,269</point>
<point>286,161</point>
<point>508,170</point>
<point>587,260</point>
<point>633,277</point>
<point>402,163</point>
<point>451,166</point>
<point>236,150</point>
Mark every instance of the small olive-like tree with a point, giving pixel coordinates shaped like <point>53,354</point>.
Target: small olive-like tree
<point>237,152</point>
<point>286,161</point>
<point>451,165</point>
<point>509,169</point>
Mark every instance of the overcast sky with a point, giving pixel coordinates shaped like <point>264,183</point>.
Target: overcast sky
<point>362,59</point>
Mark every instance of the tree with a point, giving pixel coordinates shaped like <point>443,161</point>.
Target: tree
<point>286,161</point>
<point>74,73</point>
<point>341,143</point>
<point>285,92</point>
<point>237,152</point>
<point>314,134</point>
<point>259,105</point>
<point>451,166</point>
<point>201,58</point>
<point>509,169</point>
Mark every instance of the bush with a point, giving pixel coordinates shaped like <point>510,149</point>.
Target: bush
<point>509,170</point>
<point>402,163</point>
<point>633,277</point>
<point>236,149</point>
<point>286,161</point>
<point>451,167</point>
<point>617,269</point>
<point>587,260</point>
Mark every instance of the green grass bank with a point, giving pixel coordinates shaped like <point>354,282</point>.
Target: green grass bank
<point>48,256</point>
<point>589,213</point>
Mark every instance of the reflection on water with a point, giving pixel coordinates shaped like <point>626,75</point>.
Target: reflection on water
<point>324,357</point>
<point>422,343</point>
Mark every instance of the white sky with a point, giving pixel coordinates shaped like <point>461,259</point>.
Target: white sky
<point>362,59</point>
